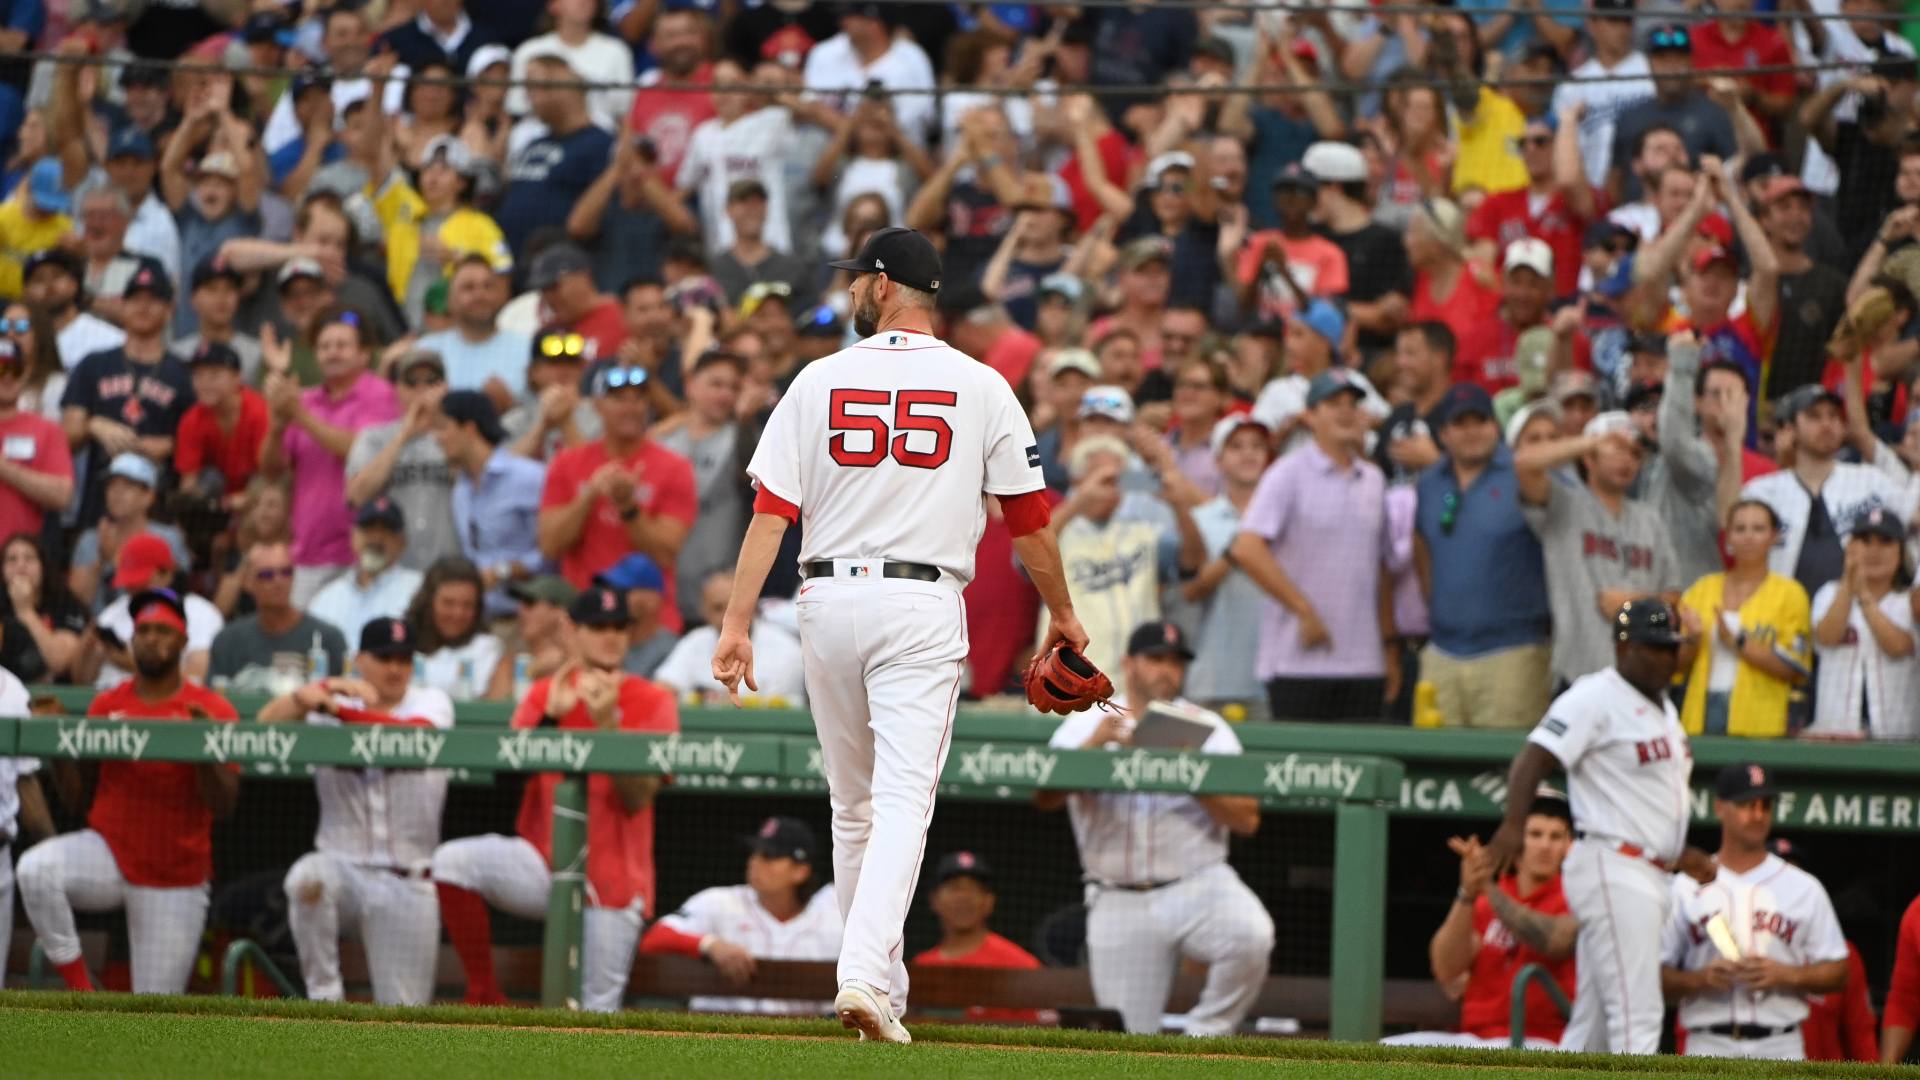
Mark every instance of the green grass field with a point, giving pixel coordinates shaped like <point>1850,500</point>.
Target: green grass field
<point>106,1035</point>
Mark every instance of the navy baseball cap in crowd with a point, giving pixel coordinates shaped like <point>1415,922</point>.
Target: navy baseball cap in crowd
<point>265,26</point>
<point>1295,177</point>
<point>381,511</point>
<point>1554,800</point>
<point>216,353</point>
<point>1745,781</point>
<point>556,262</point>
<point>603,377</point>
<point>130,141</point>
<point>151,277</point>
<point>54,256</point>
<point>214,268</point>
<point>476,408</point>
<point>1802,398</point>
<point>1647,619</point>
<point>1330,383</point>
<point>388,637</point>
<point>784,838</point>
<point>902,254</point>
<point>1878,521</point>
<point>962,864</point>
<point>1159,638</point>
<point>163,604</point>
<point>635,571</point>
<point>1463,399</point>
<point>1605,232</point>
<point>145,75</point>
<point>310,80</point>
<point>599,607</point>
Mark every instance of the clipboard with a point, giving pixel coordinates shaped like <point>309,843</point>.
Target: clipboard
<point>1167,726</point>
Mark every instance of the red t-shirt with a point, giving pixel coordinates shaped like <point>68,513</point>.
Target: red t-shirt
<point>668,117</point>
<point>604,328</point>
<point>149,812</point>
<point>199,442</point>
<point>1840,1027</point>
<point>666,487</point>
<point>1487,1009</point>
<point>1012,355</point>
<point>1117,154</point>
<point>1508,216</point>
<point>1903,989</point>
<point>619,844</point>
<point>1834,378</point>
<point>1316,264</point>
<point>1472,304</point>
<point>1484,354</point>
<point>34,442</point>
<point>994,952</point>
<point>1760,46</point>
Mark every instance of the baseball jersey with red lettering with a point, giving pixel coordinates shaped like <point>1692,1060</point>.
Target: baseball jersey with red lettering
<point>886,447</point>
<point>150,812</point>
<point>619,844</point>
<point>1776,910</point>
<point>1486,1009</point>
<point>1627,760</point>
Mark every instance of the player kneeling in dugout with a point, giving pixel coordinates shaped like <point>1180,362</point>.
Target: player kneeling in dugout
<point>1743,951</point>
<point>1158,884</point>
<point>1492,932</point>
<point>367,874</point>
<point>783,912</point>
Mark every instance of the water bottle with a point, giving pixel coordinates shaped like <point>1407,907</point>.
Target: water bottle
<point>419,670</point>
<point>1426,706</point>
<point>317,658</point>
<point>522,675</point>
<point>463,685</point>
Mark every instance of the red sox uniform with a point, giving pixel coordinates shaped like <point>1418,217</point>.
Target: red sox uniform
<point>148,847</point>
<point>1774,910</point>
<point>882,452</point>
<point>13,703</point>
<point>1627,763</point>
<point>734,914</point>
<point>368,872</point>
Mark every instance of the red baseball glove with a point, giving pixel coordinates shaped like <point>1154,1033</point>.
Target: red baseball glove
<point>1063,681</point>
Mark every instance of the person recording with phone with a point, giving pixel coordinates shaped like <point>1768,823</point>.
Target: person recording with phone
<point>628,214</point>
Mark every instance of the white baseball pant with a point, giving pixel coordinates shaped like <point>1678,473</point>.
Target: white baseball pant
<point>396,918</point>
<point>1788,1046</point>
<point>1467,1041</point>
<point>1135,941</point>
<point>1621,903</point>
<point>6,909</point>
<point>884,658</point>
<point>509,873</point>
<point>77,870</point>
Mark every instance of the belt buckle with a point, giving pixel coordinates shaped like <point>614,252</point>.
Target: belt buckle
<point>859,569</point>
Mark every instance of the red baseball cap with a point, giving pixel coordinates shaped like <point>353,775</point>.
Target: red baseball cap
<point>140,556</point>
<point>1707,256</point>
<point>1716,228</point>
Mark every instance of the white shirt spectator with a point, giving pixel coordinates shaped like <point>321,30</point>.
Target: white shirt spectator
<point>688,669</point>
<point>282,127</point>
<point>733,914</point>
<point>85,335</point>
<point>384,817</point>
<point>348,607</point>
<point>753,147</point>
<point>1284,398</point>
<point>1817,170</point>
<point>462,673</point>
<point>1861,691</point>
<point>1849,489</point>
<point>204,623</point>
<point>1605,101</point>
<point>602,58</point>
<point>834,65</point>
<point>1135,837</point>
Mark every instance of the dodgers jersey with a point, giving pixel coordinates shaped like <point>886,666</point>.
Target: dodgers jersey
<point>1627,762</point>
<point>1774,910</point>
<point>886,447</point>
<point>387,818</point>
<point>733,914</point>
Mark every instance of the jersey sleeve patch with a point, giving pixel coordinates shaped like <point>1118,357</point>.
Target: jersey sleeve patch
<point>1556,727</point>
<point>1033,456</point>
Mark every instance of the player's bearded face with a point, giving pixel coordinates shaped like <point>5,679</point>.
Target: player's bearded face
<point>866,310</point>
<point>156,649</point>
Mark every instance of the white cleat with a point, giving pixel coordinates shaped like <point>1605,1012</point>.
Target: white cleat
<point>865,1009</point>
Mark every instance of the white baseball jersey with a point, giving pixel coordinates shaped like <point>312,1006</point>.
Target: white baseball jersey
<point>1129,838</point>
<point>733,913</point>
<point>1627,762</point>
<point>13,703</point>
<point>1774,910</point>
<point>384,817</point>
<point>1859,689</point>
<point>1849,489</point>
<point>886,447</point>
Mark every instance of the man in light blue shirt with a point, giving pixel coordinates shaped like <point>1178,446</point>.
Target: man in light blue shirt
<point>377,587</point>
<point>496,496</point>
<point>479,356</point>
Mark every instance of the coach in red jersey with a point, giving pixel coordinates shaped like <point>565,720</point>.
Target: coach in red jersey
<point>148,842</point>
<point>1492,932</point>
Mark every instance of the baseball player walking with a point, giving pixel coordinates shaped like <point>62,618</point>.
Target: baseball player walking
<point>378,829</point>
<point>1627,763</point>
<point>148,844</point>
<point>1743,951</point>
<point>882,452</point>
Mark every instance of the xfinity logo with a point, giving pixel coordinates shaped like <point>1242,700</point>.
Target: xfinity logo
<point>102,740</point>
<point>265,743</point>
<point>816,763</point>
<point>986,766</point>
<point>1181,770</point>
<point>1289,773</point>
<point>408,743</point>
<point>671,754</point>
<point>524,748</point>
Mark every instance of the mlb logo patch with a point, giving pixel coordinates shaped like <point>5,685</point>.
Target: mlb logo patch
<point>896,339</point>
<point>859,571</point>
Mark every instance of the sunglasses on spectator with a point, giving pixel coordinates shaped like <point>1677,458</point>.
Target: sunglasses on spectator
<point>268,573</point>
<point>431,378</point>
<point>1449,512</point>
<point>554,346</point>
<point>1536,140</point>
<point>1669,38</point>
<point>618,377</point>
<point>15,326</point>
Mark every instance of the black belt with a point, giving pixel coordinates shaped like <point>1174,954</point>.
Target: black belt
<point>1749,1031</point>
<point>912,571</point>
<point>1136,886</point>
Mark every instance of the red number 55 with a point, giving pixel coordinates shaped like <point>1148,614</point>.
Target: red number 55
<point>905,421</point>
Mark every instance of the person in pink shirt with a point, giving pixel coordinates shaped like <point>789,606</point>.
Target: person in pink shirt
<point>310,433</point>
<point>1312,264</point>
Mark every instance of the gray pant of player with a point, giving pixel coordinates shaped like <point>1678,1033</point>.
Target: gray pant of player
<point>6,909</point>
<point>509,873</point>
<point>1135,941</point>
<point>1621,903</point>
<point>396,918</point>
<point>78,871</point>
<point>1788,1046</point>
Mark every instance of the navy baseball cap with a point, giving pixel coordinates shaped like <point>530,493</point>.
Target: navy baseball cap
<point>1878,521</point>
<point>311,80</point>
<point>1331,382</point>
<point>476,408</point>
<point>902,254</point>
<point>603,377</point>
<point>1159,638</point>
<point>599,607</point>
<point>1463,399</point>
<point>1802,398</point>
<point>214,268</point>
<point>388,637</point>
<point>130,140</point>
<point>381,511</point>
<point>784,838</point>
<point>1295,178</point>
<point>216,353</point>
<point>962,864</point>
<point>1745,781</point>
<point>1648,619</point>
<point>151,278</point>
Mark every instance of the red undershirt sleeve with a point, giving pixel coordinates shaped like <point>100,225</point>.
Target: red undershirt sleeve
<point>362,716</point>
<point>766,502</point>
<point>1025,513</point>
<point>661,938</point>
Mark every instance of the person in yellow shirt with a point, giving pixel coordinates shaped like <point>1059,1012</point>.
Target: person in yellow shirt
<point>1487,125</point>
<point>38,217</point>
<point>432,228</point>
<point>1749,636</point>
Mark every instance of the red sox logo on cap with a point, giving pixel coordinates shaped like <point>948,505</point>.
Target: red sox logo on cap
<point>606,601</point>
<point>965,860</point>
<point>399,630</point>
<point>767,830</point>
<point>1756,775</point>
<point>1172,634</point>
